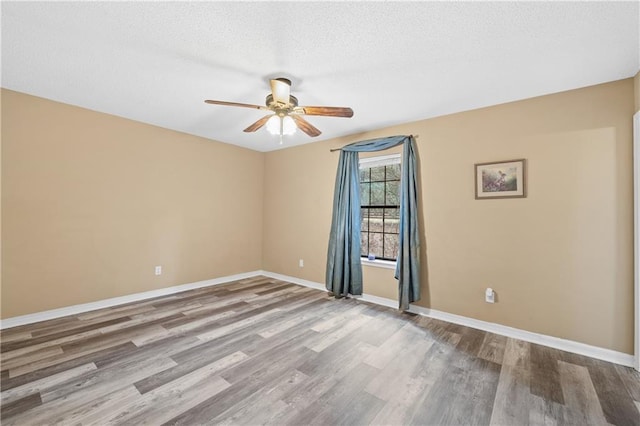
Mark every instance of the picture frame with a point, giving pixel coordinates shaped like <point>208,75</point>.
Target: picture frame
<point>501,179</point>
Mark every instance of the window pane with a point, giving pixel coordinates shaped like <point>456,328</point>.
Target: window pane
<point>375,244</point>
<point>364,194</point>
<point>391,220</point>
<point>380,187</point>
<point>364,175</point>
<point>375,220</point>
<point>377,194</point>
<point>364,219</point>
<point>393,196</point>
<point>393,171</point>
<point>377,173</point>
<point>364,244</point>
<point>390,246</point>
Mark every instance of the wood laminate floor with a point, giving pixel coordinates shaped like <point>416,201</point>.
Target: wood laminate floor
<point>261,351</point>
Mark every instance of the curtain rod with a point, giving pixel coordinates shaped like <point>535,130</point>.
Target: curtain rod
<point>340,149</point>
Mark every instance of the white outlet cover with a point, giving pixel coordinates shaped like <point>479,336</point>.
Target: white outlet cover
<point>489,296</point>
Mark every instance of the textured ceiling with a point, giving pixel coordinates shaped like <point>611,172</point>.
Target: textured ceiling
<point>392,62</point>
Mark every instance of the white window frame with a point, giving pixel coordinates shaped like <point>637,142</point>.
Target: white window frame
<point>380,160</point>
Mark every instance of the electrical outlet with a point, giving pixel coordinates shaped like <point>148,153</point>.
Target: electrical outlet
<point>301,263</point>
<point>489,295</point>
<point>158,270</point>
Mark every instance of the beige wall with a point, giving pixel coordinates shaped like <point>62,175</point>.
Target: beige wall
<point>636,92</point>
<point>1,93</point>
<point>92,202</point>
<point>560,260</point>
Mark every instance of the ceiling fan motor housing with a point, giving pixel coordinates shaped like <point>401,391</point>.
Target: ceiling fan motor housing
<point>293,101</point>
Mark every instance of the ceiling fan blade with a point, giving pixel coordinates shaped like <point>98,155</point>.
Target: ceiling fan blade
<point>305,126</point>
<point>258,124</point>
<point>327,111</point>
<point>281,90</point>
<point>236,104</point>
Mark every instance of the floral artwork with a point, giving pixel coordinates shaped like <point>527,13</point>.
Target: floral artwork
<point>504,179</point>
<point>497,180</point>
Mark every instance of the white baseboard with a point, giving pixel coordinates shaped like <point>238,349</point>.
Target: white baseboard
<point>528,336</point>
<point>306,283</point>
<point>294,280</point>
<point>106,303</point>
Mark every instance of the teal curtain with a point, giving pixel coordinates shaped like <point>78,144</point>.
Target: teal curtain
<point>344,269</point>
<point>408,263</point>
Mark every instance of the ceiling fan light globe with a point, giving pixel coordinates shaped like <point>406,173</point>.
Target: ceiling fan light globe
<point>288,125</point>
<point>273,125</point>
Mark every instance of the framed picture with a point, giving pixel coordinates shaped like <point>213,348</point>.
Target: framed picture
<point>501,179</point>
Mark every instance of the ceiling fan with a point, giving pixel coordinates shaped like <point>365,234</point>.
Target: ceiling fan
<point>285,114</point>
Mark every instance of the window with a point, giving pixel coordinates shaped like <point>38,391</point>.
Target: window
<point>380,206</point>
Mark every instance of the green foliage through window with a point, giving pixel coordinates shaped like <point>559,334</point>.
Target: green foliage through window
<point>380,210</point>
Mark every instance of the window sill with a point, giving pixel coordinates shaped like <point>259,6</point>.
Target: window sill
<point>387,264</point>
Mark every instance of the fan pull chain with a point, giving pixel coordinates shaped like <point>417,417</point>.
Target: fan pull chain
<point>281,128</point>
